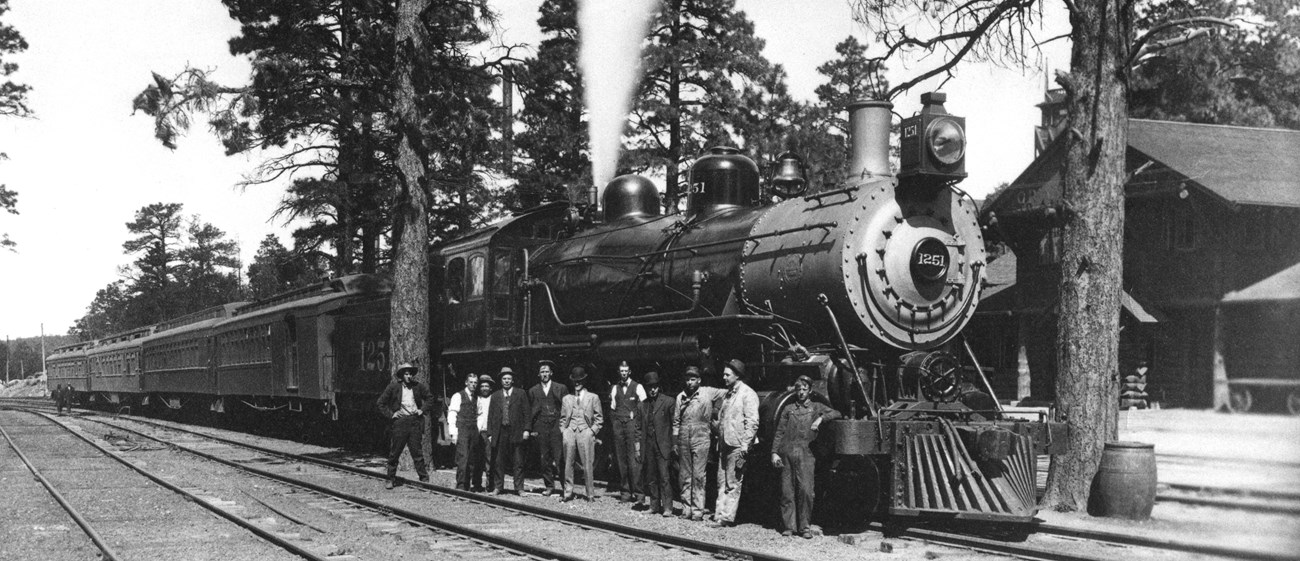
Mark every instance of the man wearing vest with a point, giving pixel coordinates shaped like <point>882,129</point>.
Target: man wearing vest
<point>463,412</point>
<point>692,428</point>
<point>544,422</point>
<point>405,401</point>
<point>580,421</point>
<point>656,427</point>
<point>625,400</point>
<point>508,426</point>
<point>737,429</point>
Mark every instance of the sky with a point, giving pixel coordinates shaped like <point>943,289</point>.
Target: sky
<point>84,164</point>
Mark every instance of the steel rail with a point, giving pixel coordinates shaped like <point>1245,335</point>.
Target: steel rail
<point>72,511</point>
<point>1229,503</point>
<point>1164,544</point>
<point>450,527</point>
<point>247,525</point>
<point>985,545</point>
<point>682,542</point>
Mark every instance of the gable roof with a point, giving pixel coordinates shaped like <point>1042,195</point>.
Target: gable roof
<point>1285,285</point>
<point>1244,165</point>
<point>1240,165</point>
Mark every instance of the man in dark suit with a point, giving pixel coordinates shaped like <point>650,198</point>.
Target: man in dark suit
<point>405,401</point>
<point>508,427</point>
<point>656,429</point>
<point>544,423</point>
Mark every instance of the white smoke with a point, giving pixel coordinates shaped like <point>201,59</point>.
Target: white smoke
<point>610,57</point>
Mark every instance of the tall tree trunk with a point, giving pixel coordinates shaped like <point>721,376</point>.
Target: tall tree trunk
<point>673,180</point>
<point>1087,383</point>
<point>409,319</point>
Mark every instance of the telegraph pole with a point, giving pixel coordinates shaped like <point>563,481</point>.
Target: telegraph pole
<point>43,371</point>
<point>8,351</point>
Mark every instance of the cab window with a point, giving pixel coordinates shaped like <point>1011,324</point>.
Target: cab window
<point>476,270</point>
<point>456,281</point>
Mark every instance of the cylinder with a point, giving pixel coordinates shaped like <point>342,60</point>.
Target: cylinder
<point>1125,485</point>
<point>869,139</point>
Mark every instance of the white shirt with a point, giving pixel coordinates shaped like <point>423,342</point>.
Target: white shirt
<point>484,405</point>
<point>613,393</point>
<point>408,403</point>
<point>453,411</point>
<point>546,388</point>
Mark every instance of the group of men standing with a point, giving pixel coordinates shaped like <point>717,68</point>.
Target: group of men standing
<point>62,396</point>
<point>492,426</point>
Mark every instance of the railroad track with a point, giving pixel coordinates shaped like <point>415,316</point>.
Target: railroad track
<point>543,532</point>
<point>51,455</point>
<point>973,540</point>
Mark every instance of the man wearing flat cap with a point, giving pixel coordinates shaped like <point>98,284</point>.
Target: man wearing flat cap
<point>692,427</point>
<point>405,401</point>
<point>508,427</point>
<point>544,422</point>
<point>484,461</point>
<point>580,422</point>
<point>655,425</point>
<point>737,430</point>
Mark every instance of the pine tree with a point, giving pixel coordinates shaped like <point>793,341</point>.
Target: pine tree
<point>13,103</point>
<point>1249,78</point>
<point>554,143</point>
<point>701,61</point>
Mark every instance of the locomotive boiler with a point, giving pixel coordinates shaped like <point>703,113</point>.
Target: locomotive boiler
<point>865,287</point>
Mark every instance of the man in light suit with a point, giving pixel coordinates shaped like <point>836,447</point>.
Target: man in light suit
<point>546,399</point>
<point>580,422</point>
<point>737,429</point>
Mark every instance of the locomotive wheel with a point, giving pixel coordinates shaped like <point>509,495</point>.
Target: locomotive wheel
<point>1240,400</point>
<point>1293,402</point>
<point>850,494</point>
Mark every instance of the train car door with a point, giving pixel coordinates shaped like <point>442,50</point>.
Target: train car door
<point>289,365</point>
<point>464,296</point>
<point>503,320</point>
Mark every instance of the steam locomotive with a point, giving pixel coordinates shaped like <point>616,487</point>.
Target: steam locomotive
<point>864,288</point>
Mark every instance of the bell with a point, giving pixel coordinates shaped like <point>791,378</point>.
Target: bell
<point>787,176</point>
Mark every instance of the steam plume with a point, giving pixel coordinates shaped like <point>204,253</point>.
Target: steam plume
<point>610,58</point>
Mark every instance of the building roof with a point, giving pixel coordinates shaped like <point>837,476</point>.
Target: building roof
<point>1285,285</point>
<point>1239,165</point>
<point>1244,165</point>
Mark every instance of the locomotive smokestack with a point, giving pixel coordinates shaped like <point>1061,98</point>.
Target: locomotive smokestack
<point>869,138</point>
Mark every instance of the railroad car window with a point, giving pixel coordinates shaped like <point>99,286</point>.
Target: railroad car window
<point>476,264</point>
<point>456,281</point>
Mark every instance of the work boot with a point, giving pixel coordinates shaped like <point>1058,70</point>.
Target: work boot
<point>391,483</point>
<point>424,478</point>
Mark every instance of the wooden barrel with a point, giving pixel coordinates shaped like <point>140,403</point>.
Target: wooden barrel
<point>1125,485</point>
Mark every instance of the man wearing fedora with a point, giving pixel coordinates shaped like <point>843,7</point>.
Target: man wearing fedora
<point>546,399</point>
<point>405,401</point>
<point>580,422</point>
<point>656,430</point>
<point>508,427</point>
<point>462,414</point>
<point>737,430</point>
